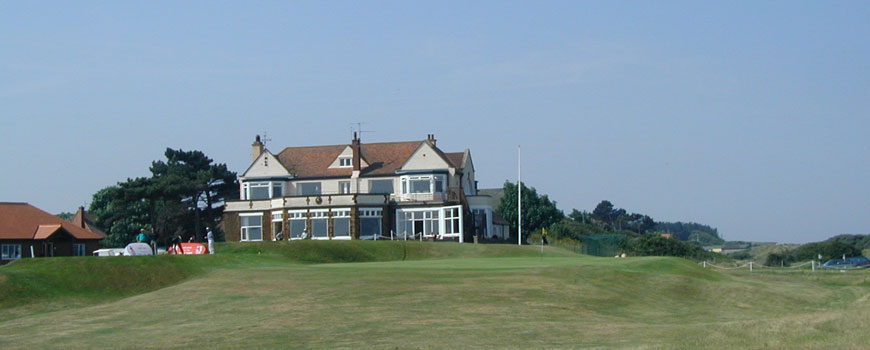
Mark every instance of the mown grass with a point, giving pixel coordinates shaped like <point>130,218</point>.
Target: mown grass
<point>261,296</point>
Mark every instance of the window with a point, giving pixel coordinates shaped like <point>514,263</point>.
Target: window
<point>480,222</point>
<point>319,224</point>
<point>370,222</point>
<point>423,184</point>
<point>381,186</point>
<point>345,162</point>
<point>252,227</point>
<point>452,224</point>
<point>277,226</point>
<point>344,187</point>
<point>79,249</point>
<point>258,190</point>
<point>263,190</point>
<point>296,220</point>
<point>341,223</point>
<point>415,223</point>
<point>10,252</point>
<point>308,188</point>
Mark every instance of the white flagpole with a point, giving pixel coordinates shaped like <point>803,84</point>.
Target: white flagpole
<point>519,197</point>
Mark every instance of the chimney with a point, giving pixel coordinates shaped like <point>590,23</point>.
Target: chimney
<point>256,148</point>
<point>354,145</point>
<point>431,139</point>
<point>82,211</point>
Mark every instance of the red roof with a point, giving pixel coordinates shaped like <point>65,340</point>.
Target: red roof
<point>382,158</point>
<point>24,221</point>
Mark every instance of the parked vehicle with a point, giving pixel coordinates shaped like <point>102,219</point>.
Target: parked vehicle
<point>858,262</point>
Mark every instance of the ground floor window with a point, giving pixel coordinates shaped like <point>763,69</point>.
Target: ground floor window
<point>296,221</point>
<point>341,223</point>
<point>10,251</point>
<point>252,227</point>
<point>277,226</point>
<point>79,249</point>
<point>429,222</point>
<point>319,224</point>
<point>370,220</point>
<point>480,222</point>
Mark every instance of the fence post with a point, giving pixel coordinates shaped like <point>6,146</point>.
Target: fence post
<point>705,264</point>
<point>813,264</point>
<point>750,266</point>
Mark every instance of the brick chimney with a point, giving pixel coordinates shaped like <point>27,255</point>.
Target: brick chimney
<point>430,138</point>
<point>256,148</point>
<point>355,146</point>
<point>82,211</point>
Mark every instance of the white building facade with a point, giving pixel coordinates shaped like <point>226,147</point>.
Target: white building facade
<point>394,190</point>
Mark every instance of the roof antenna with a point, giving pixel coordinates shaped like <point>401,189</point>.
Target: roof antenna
<point>359,129</point>
<point>265,138</point>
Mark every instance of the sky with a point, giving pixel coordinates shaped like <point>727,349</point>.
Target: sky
<point>751,117</point>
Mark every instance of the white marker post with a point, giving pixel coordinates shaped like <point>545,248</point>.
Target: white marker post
<point>519,197</point>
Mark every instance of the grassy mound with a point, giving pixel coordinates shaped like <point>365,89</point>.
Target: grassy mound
<point>30,285</point>
<point>371,251</point>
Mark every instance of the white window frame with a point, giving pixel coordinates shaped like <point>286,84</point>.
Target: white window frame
<point>341,213</point>
<point>345,162</point>
<point>277,217</point>
<point>297,215</point>
<point>247,185</point>
<point>442,221</point>
<point>318,214</point>
<point>243,234</point>
<point>369,213</point>
<point>10,252</point>
<point>408,179</point>
<point>344,187</point>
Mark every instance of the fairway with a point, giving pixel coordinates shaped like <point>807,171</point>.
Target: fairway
<point>513,300</point>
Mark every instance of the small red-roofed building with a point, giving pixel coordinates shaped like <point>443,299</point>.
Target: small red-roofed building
<point>26,231</point>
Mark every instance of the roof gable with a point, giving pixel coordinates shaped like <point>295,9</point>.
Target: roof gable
<point>24,221</point>
<point>426,157</point>
<point>266,165</point>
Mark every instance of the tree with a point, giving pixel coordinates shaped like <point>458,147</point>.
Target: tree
<point>66,215</point>
<point>538,210</point>
<point>184,194</point>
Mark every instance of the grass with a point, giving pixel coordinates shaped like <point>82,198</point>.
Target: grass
<point>423,295</point>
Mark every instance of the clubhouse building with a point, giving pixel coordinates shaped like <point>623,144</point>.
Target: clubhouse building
<point>391,190</point>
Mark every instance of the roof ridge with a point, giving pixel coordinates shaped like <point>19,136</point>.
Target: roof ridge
<point>348,145</point>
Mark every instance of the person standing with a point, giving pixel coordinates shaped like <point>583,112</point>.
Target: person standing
<point>153,241</point>
<point>141,237</point>
<point>210,237</point>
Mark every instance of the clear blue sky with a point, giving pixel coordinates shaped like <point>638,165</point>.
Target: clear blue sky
<point>752,117</point>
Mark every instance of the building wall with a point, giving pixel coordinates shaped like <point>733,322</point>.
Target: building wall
<point>62,247</point>
<point>232,227</point>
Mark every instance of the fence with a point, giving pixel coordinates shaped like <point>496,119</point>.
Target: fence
<point>752,266</point>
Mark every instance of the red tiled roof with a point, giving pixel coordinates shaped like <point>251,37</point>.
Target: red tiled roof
<point>24,221</point>
<point>382,158</point>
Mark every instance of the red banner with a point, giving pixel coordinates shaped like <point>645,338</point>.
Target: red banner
<point>190,249</point>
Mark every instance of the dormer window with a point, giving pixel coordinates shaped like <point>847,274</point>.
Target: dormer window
<point>345,162</point>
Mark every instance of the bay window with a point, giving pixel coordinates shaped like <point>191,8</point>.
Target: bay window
<point>423,184</point>
<point>255,190</point>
